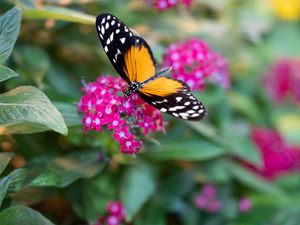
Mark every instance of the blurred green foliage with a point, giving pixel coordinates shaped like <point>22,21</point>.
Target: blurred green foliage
<point>69,176</point>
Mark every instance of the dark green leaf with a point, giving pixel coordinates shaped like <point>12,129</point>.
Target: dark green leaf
<point>12,182</point>
<point>137,187</point>
<point>193,150</point>
<point>32,62</point>
<point>6,73</point>
<point>9,30</point>
<point>5,157</point>
<point>62,171</point>
<point>28,110</point>
<point>16,179</point>
<point>17,215</point>
<point>4,183</point>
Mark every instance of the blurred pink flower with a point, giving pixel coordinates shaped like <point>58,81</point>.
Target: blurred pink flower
<point>193,61</point>
<point>114,216</point>
<point>245,205</point>
<point>278,157</point>
<point>207,199</point>
<point>283,80</point>
<point>103,105</point>
<point>162,5</point>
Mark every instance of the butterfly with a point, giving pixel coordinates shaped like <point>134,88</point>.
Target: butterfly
<point>132,58</point>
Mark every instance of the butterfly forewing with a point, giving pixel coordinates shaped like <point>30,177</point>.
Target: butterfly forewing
<point>129,54</point>
<point>132,58</point>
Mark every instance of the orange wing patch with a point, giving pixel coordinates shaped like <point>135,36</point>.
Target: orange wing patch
<point>162,86</point>
<point>139,65</point>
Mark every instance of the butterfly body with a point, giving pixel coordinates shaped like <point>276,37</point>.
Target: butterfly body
<point>132,58</point>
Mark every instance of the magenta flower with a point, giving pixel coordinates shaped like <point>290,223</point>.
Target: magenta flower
<point>104,106</point>
<point>193,61</point>
<point>162,5</point>
<point>207,199</point>
<point>245,205</point>
<point>283,80</point>
<point>278,156</point>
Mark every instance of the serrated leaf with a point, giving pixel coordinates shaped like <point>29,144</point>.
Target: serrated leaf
<point>26,109</point>
<point>6,73</point>
<point>63,171</point>
<point>58,13</point>
<point>5,157</point>
<point>194,150</point>
<point>138,185</point>
<point>17,215</point>
<point>9,30</point>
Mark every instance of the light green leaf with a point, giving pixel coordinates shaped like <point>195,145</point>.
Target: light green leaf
<point>6,73</point>
<point>17,215</point>
<point>5,157</point>
<point>193,150</point>
<point>58,13</point>
<point>9,30</point>
<point>138,186</point>
<point>28,110</point>
<point>253,181</point>
<point>62,171</point>
<point>245,105</point>
<point>70,113</point>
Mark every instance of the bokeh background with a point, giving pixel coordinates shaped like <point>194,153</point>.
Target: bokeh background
<point>239,166</point>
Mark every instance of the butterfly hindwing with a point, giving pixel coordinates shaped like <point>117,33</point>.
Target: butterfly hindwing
<point>132,58</point>
<point>173,97</point>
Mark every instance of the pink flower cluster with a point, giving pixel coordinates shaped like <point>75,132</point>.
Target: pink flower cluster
<point>278,156</point>
<point>103,105</point>
<point>162,5</point>
<point>193,61</point>
<point>245,205</point>
<point>207,199</point>
<point>283,80</point>
<point>114,216</point>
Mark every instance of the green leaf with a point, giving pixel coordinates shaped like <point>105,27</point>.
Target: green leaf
<point>193,150</point>
<point>6,73</point>
<point>70,113</point>
<point>245,105</point>
<point>253,181</point>
<point>58,13</point>
<point>32,62</point>
<point>17,179</point>
<point>138,185</point>
<point>17,215</point>
<point>62,171</point>
<point>9,30</point>
<point>4,183</point>
<point>12,182</point>
<point>5,157</point>
<point>28,110</point>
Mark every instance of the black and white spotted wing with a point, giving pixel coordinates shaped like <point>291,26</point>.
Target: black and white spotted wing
<point>132,58</point>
